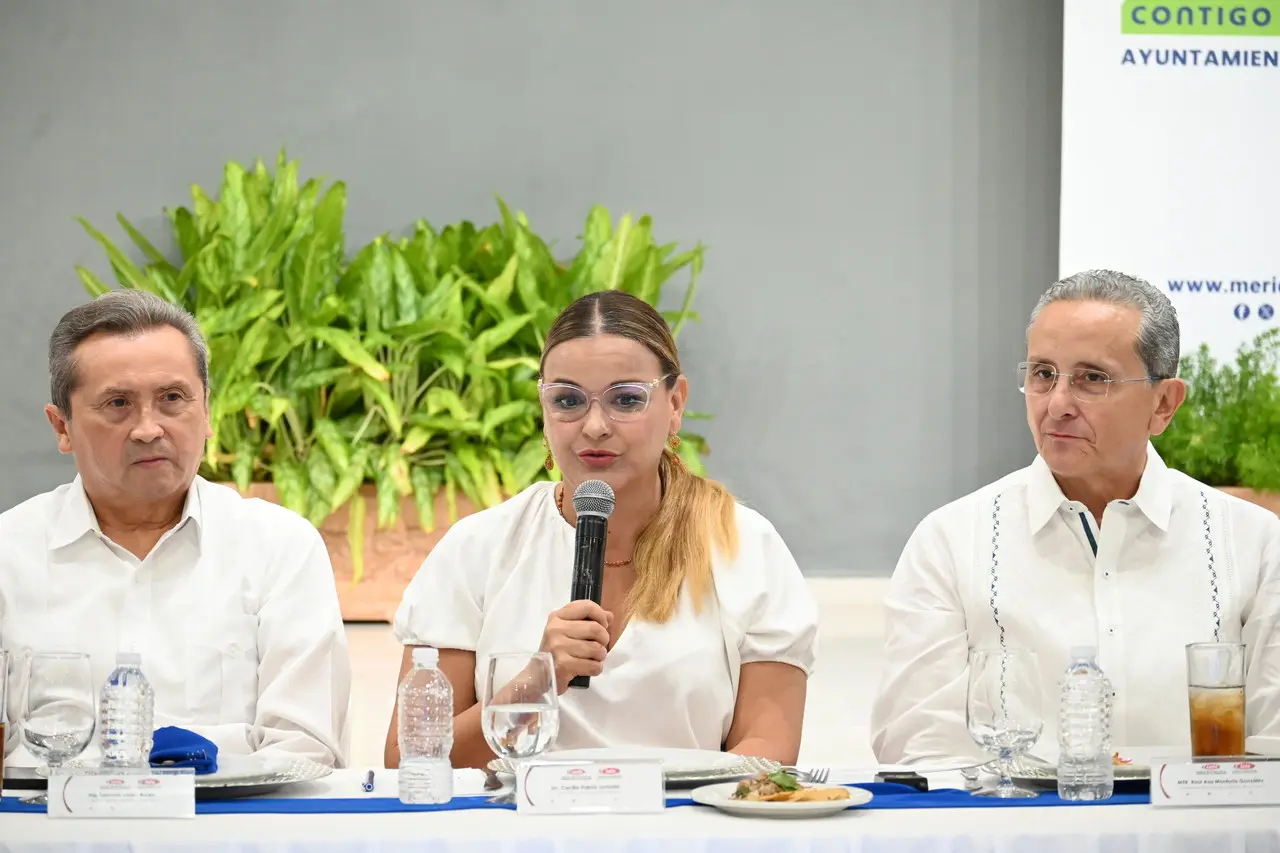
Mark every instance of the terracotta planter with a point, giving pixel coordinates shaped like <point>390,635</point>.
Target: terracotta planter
<point>391,556</point>
<point>1270,500</point>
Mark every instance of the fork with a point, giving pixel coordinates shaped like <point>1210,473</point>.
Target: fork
<point>816,776</point>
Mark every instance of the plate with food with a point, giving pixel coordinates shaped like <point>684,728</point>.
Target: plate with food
<point>1028,770</point>
<point>680,767</point>
<point>779,794</point>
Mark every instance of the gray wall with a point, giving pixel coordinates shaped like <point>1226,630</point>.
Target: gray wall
<point>877,182</point>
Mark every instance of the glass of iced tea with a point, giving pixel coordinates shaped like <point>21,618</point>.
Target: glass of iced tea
<point>1215,684</point>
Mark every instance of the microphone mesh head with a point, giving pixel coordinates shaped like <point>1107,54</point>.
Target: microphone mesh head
<point>594,497</point>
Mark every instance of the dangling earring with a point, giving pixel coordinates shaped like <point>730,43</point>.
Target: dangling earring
<point>674,442</point>
<point>550,462</point>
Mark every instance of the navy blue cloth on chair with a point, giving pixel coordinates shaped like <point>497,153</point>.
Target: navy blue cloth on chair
<point>175,747</point>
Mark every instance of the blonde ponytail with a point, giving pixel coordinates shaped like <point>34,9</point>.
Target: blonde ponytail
<point>695,520</point>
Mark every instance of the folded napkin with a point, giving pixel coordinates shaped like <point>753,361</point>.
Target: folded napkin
<point>175,747</point>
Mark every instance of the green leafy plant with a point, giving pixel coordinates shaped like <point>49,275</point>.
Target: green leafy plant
<point>411,365</point>
<point>1227,433</point>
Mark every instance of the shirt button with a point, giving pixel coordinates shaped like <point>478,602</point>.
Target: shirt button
<point>1111,631</point>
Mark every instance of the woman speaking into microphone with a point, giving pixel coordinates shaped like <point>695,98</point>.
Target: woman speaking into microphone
<point>705,633</point>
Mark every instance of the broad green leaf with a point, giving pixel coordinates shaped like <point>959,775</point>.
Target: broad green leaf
<point>323,477</point>
<point>319,378</point>
<point>500,289</point>
<point>518,361</point>
<point>388,498</point>
<point>355,536</point>
<point>144,245</point>
<point>529,462</point>
<point>332,442</point>
<point>395,464</point>
<point>500,415</point>
<point>349,347</point>
<point>695,268</point>
<point>451,494</point>
<point>127,274</point>
<point>390,411</point>
<point>252,347</point>
<point>349,478</point>
<point>415,439</point>
<point>91,282</point>
<point>234,214</point>
<point>492,338</point>
<point>186,232</point>
<point>447,424</point>
<point>424,494</point>
<point>291,484</point>
<point>206,210</point>
<point>507,479</point>
<point>239,314</point>
<point>405,288</point>
<point>242,467</point>
<point>446,399</point>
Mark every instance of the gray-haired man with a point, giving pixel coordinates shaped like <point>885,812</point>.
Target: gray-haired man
<point>230,602</point>
<point>1096,543</point>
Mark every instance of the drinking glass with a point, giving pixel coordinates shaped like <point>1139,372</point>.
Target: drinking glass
<point>1215,688</point>
<point>61,708</point>
<point>520,715</point>
<point>1003,710</point>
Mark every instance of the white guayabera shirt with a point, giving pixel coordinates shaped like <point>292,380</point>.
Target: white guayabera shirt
<point>1014,565</point>
<point>234,613</point>
<point>491,582</point>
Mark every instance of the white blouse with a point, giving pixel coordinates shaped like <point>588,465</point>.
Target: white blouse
<point>493,579</point>
<point>1013,565</point>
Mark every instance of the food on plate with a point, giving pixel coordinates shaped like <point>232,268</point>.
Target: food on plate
<point>782,787</point>
<point>1117,760</point>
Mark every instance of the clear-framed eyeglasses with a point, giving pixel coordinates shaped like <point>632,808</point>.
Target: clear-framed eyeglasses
<point>625,401</point>
<point>1085,383</point>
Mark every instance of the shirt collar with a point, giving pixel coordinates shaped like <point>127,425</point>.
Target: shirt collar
<point>1153,498</point>
<point>76,517</point>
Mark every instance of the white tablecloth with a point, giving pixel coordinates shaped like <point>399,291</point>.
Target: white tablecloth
<point>689,829</point>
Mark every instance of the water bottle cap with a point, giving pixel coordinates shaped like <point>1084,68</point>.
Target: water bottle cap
<point>128,659</point>
<point>425,656</point>
<point>1084,652</point>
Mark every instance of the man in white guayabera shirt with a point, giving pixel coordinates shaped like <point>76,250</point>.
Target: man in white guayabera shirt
<point>230,602</point>
<point>1096,543</point>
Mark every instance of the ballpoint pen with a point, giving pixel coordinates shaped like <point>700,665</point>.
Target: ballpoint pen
<point>367,784</point>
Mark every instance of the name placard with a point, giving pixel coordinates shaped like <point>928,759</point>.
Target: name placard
<point>1241,781</point>
<point>631,786</point>
<point>126,793</point>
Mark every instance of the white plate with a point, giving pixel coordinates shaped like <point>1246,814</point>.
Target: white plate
<point>721,797</point>
<point>236,771</point>
<point>689,766</point>
<point>243,775</point>
<point>1028,770</point>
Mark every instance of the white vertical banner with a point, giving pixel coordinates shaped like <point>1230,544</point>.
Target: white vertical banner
<point>1171,156</point>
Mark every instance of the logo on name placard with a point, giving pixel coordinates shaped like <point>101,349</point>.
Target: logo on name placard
<point>577,771</point>
<point>1246,765</point>
<point>1213,767</point>
<point>115,781</point>
<point>149,782</point>
<point>610,771</point>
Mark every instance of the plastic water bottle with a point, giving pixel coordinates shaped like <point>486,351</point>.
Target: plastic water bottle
<point>1085,771</point>
<point>425,705</point>
<point>126,714</point>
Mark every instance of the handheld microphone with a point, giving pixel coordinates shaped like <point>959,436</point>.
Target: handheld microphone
<point>593,502</point>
